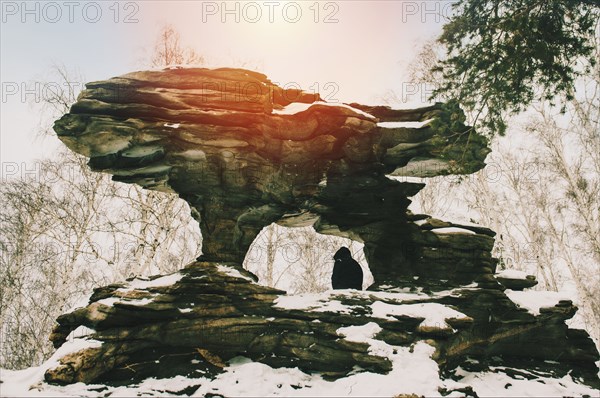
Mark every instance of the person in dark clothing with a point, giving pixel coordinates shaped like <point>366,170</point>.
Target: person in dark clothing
<point>347,273</point>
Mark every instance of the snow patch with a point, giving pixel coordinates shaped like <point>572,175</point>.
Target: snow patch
<point>232,272</point>
<point>403,303</point>
<point>533,300</point>
<point>435,314</point>
<point>409,125</point>
<point>453,230</point>
<point>297,107</point>
<point>247,378</point>
<point>496,383</point>
<point>360,334</point>
<point>28,382</point>
<point>408,179</point>
<point>408,103</point>
<point>293,108</point>
<point>140,284</point>
<point>75,345</point>
<point>317,302</point>
<point>80,332</point>
<point>111,301</point>
<point>172,125</point>
<point>413,372</point>
<point>511,274</point>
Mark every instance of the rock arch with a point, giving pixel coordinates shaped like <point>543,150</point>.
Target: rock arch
<point>243,163</point>
<point>293,257</point>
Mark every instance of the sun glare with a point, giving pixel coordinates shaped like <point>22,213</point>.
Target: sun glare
<point>352,51</point>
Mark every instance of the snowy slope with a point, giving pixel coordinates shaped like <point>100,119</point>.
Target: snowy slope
<point>414,372</point>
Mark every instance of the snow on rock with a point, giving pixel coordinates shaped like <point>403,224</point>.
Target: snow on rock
<point>328,302</point>
<point>511,274</point>
<point>109,301</point>
<point>398,295</point>
<point>112,300</point>
<point>360,112</point>
<point>232,272</point>
<point>408,179</point>
<point>403,303</point>
<point>140,284</point>
<point>366,334</point>
<point>414,372</point>
<point>80,332</point>
<point>533,300</point>
<point>172,125</point>
<point>453,230</point>
<point>435,314</point>
<point>30,382</point>
<point>421,222</point>
<point>297,107</point>
<point>318,302</point>
<point>408,103</point>
<point>71,346</point>
<point>412,125</point>
<point>293,108</point>
<point>463,222</point>
<point>360,334</point>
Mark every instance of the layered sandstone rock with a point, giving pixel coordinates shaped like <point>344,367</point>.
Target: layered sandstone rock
<point>206,314</point>
<point>245,153</point>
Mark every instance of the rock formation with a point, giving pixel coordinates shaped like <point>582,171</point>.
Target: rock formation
<point>245,153</point>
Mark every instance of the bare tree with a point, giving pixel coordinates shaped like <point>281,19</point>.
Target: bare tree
<point>423,68</point>
<point>168,50</point>
<point>49,224</point>
<point>66,229</point>
<point>540,192</point>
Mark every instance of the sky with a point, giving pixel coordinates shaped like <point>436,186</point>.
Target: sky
<point>346,50</point>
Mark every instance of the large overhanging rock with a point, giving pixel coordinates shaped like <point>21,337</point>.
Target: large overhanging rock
<point>245,153</point>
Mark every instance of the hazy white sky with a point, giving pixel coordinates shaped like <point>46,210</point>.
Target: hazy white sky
<point>347,50</point>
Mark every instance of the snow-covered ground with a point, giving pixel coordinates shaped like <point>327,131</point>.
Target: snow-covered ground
<point>413,369</point>
<point>414,372</point>
<point>533,300</point>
